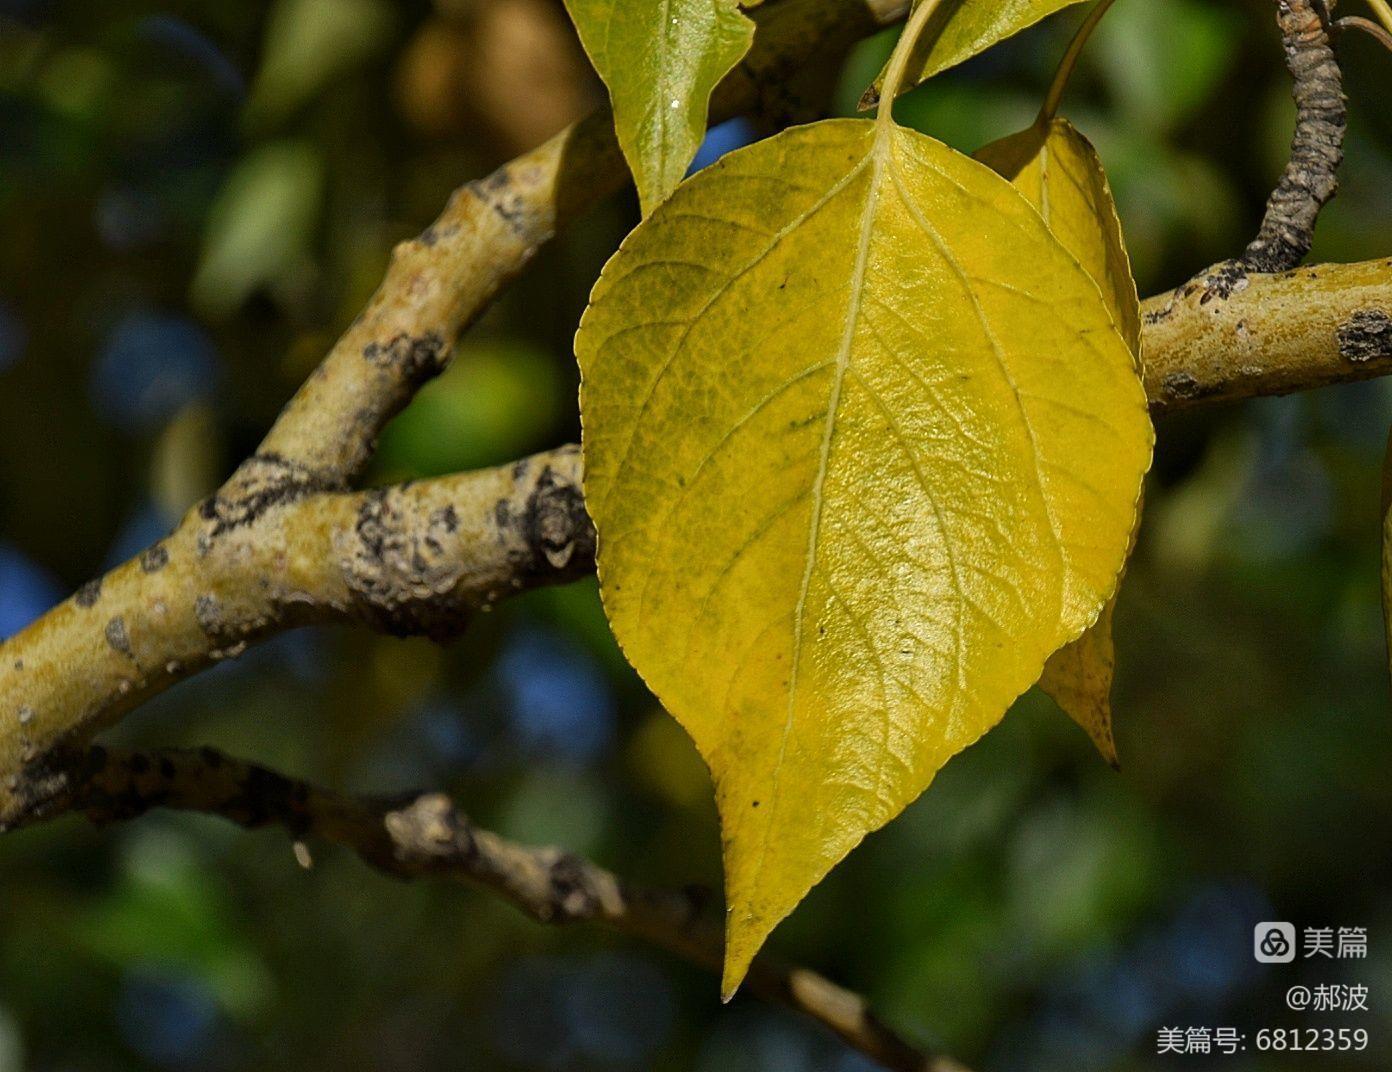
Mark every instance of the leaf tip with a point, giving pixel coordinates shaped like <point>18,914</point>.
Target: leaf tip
<point>1106,746</point>
<point>758,900</point>
<point>1098,725</point>
<point>1099,729</point>
<point>743,940</point>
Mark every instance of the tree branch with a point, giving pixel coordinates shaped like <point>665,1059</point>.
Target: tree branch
<point>427,836</point>
<point>1229,335</point>
<point>414,559</point>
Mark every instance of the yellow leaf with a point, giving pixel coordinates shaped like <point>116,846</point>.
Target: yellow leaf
<point>863,448</point>
<point>1079,678</point>
<point>1058,171</point>
<point>958,31</point>
<point>661,60</point>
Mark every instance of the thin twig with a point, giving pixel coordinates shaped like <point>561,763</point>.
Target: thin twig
<point>1372,29</point>
<point>1310,179</point>
<point>427,836</point>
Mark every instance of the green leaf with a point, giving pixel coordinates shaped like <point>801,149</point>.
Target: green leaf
<point>1162,60</point>
<point>260,226</point>
<point>661,59</point>
<point>959,30</point>
<point>863,447</point>
<point>496,400</point>
<point>1058,171</point>
<point>308,43</point>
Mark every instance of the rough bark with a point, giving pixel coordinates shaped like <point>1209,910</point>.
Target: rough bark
<point>1310,178</point>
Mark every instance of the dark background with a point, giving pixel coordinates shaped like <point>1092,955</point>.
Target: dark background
<point>196,197</point>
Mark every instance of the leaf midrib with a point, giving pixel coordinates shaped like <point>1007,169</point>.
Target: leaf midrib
<point>879,153</point>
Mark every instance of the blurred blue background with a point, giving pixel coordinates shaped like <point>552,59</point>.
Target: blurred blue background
<point>197,196</point>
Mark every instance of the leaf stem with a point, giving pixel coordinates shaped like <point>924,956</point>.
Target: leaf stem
<point>899,61</point>
<point>1070,61</point>
<point>1383,10</point>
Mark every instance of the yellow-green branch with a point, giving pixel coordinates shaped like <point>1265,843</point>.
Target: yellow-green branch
<point>1229,335</point>
<point>417,559</point>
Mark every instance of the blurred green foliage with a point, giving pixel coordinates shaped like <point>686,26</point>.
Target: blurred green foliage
<point>197,196</point>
